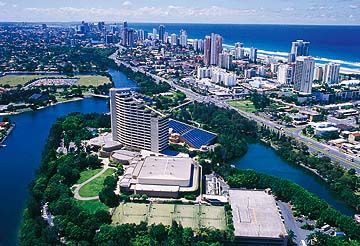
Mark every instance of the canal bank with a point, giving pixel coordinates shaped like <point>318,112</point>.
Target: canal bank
<point>264,159</point>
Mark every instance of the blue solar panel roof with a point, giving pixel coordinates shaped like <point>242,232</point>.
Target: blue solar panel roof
<point>193,136</point>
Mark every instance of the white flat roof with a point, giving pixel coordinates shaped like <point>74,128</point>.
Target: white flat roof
<point>255,214</point>
<point>169,168</point>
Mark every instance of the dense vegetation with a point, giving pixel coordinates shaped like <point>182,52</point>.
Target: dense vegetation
<point>54,178</point>
<point>73,224</point>
<point>147,85</point>
<point>344,182</point>
<point>304,202</point>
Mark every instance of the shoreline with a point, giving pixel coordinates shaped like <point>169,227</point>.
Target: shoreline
<point>9,131</point>
<point>54,104</point>
<point>314,171</point>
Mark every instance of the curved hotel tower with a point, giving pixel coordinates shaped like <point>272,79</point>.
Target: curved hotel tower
<point>135,125</point>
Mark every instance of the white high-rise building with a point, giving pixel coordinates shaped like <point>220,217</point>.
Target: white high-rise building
<point>239,53</point>
<point>253,55</point>
<point>173,39</point>
<point>203,72</point>
<point>225,60</point>
<point>229,79</point>
<point>135,125</point>
<point>285,74</point>
<point>200,45</point>
<point>299,48</point>
<point>304,74</point>
<point>195,44</point>
<point>183,39</point>
<point>155,33</point>
<point>221,76</point>
<point>319,73</point>
<point>331,73</point>
<point>141,35</point>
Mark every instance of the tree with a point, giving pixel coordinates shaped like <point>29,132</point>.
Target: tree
<point>158,232</point>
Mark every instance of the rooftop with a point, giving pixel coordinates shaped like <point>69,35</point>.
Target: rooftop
<point>160,168</point>
<point>255,214</point>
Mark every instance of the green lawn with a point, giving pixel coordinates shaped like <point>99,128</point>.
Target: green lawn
<point>94,187</point>
<point>85,175</point>
<point>92,206</point>
<point>244,105</point>
<point>95,80</point>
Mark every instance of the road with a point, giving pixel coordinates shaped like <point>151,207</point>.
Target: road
<point>314,146</point>
<point>291,223</point>
<point>79,186</point>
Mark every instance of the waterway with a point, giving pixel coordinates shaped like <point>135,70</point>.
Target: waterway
<point>20,159</point>
<point>265,160</point>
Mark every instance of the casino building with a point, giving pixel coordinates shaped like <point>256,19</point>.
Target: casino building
<point>136,125</point>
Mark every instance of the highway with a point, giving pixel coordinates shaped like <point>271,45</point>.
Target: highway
<point>334,154</point>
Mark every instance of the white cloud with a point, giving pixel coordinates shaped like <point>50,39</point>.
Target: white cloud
<point>2,3</point>
<point>127,3</point>
<point>130,11</point>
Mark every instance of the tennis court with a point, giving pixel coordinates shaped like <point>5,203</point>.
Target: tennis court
<point>194,216</point>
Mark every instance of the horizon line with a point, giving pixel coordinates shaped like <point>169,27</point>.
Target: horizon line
<point>186,23</point>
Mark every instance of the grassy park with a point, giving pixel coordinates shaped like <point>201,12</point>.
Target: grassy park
<point>92,206</point>
<point>94,80</point>
<point>14,80</point>
<point>244,105</point>
<point>95,186</point>
<point>193,216</point>
<point>84,80</point>
<point>85,175</point>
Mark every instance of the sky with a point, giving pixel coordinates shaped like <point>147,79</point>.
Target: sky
<point>184,11</point>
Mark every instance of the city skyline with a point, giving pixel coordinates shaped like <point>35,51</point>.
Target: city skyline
<point>234,11</point>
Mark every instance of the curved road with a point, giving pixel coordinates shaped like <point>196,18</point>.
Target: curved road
<point>79,186</point>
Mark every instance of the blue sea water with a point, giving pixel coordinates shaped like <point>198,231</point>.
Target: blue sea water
<point>340,43</point>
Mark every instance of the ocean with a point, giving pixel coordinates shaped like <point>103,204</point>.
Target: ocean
<point>339,44</point>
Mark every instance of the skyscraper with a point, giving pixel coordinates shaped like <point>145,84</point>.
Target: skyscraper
<point>200,45</point>
<point>319,73</point>
<point>285,74</point>
<point>331,73</point>
<point>161,32</point>
<point>173,39</point>
<point>141,35</point>
<point>207,50</point>
<point>304,74</point>
<point>135,125</point>
<point>124,34</point>
<point>253,55</point>
<point>131,38</point>
<point>216,48</point>
<point>299,48</point>
<point>195,44</point>
<point>239,51</point>
<point>155,33</point>
<point>183,38</point>
<point>225,60</point>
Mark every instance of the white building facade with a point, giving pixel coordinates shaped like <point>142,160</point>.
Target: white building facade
<point>135,125</point>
